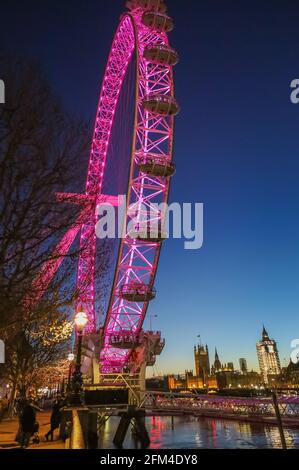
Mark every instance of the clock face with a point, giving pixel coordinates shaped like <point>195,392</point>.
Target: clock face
<point>270,349</point>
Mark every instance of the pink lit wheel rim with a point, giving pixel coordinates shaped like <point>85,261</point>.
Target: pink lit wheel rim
<point>151,167</point>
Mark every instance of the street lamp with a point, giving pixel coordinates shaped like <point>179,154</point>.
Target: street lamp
<point>77,399</point>
<point>151,318</point>
<point>81,320</point>
<point>70,358</point>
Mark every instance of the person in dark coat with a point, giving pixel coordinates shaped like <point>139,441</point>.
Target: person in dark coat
<point>55,419</point>
<point>27,422</point>
<point>4,405</point>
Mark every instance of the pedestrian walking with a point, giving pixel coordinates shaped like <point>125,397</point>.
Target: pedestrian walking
<point>55,419</point>
<point>28,424</point>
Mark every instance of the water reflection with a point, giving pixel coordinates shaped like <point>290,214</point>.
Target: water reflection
<point>201,433</point>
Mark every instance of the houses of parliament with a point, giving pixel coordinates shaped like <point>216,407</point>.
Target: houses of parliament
<point>213,375</point>
<point>216,375</point>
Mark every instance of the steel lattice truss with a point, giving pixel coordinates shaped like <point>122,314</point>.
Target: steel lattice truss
<point>154,136</point>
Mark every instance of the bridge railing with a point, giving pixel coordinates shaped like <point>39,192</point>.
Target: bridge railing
<point>289,406</point>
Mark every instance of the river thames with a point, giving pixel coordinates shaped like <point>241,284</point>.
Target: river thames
<point>202,433</point>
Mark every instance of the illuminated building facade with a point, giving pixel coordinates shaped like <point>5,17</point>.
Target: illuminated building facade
<point>268,357</point>
<point>194,381</point>
<point>291,375</point>
<point>202,361</point>
<point>217,363</point>
<point>229,379</point>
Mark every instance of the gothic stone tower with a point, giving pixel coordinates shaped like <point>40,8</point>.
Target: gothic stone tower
<point>268,356</point>
<point>217,363</point>
<point>202,361</point>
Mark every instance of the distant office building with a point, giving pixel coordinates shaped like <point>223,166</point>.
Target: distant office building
<point>230,366</point>
<point>268,357</point>
<point>243,365</point>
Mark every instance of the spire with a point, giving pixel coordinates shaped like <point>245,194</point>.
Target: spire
<point>217,363</point>
<point>265,333</point>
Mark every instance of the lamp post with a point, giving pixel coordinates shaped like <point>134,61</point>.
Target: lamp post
<point>70,358</point>
<point>151,319</point>
<point>77,398</point>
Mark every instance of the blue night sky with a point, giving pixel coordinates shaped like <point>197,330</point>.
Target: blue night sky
<point>236,150</point>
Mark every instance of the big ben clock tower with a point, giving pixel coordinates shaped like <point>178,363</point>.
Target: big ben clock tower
<point>268,356</point>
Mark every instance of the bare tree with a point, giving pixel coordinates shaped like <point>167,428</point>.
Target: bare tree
<point>33,348</point>
<point>41,147</point>
<point>41,150</point>
<point>49,375</point>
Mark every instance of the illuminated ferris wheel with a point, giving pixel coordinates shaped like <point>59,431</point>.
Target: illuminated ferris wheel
<point>140,41</point>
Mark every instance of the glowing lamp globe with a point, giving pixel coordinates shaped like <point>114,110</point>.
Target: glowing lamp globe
<point>81,320</point>
<point>71,357</point>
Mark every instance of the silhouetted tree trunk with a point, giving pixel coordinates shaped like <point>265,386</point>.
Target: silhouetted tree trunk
<point>42,150</point>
